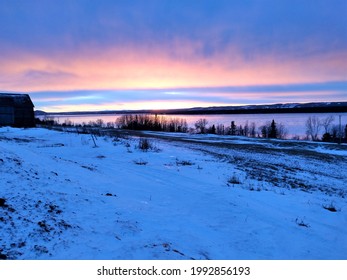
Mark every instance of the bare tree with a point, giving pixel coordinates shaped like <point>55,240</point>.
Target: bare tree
<point>201,125</point>
<point>264,130</point>
<point>220,129</point>
<point>313,125</point>
<point>282,131</point>
<point>246,129</point>
<point>110,124</point>
<point>253,129</point>
<point>326,123</point>
<point>99,123</point>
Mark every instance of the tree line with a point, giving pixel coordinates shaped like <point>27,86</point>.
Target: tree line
<point>152,123</point>
<point>317,129</point>
<point>268,130</point>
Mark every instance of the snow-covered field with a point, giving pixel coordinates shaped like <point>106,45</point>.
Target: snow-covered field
<point>190,197</point>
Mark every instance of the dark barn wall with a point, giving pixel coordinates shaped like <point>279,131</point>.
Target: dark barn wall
<point>24,117</point>
<point>6,115</point>
<point>16,110</point>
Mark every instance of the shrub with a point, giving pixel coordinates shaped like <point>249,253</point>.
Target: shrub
<point>183,162</point>
<point>144,144</point>
<point>234,180</point>
<point>140,162</point>
<point>331,207</point>
<point>301,223</point>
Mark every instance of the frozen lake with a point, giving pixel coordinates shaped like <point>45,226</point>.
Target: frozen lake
<point>293,122</point>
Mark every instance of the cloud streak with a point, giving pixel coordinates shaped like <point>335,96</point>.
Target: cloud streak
<point>189,97</point>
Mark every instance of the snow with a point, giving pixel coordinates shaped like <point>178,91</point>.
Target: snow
<point>64,198</point>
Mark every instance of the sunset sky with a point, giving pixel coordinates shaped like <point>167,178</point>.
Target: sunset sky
<point>76,55</point>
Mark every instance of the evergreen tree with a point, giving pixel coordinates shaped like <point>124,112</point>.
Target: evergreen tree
<point>233,128</point>
<point>273,130</point>
<point>240,131</point>
<point>213,129</point>
<point>264,131</point>
<point>327,137</point>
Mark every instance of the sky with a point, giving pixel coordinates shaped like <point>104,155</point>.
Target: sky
<point>159,54</point>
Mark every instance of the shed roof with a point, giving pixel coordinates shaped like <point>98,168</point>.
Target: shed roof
<point>15,100</point>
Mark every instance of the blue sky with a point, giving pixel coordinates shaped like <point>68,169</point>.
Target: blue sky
<point>106,55</point>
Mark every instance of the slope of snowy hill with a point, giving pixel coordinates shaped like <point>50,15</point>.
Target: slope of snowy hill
<point>69,196</point>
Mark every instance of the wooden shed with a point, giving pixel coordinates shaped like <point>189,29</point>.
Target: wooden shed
<point>16,110</point>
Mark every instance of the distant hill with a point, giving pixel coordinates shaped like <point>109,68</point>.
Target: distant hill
<point>40,113</point>
<point>316,107</point>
